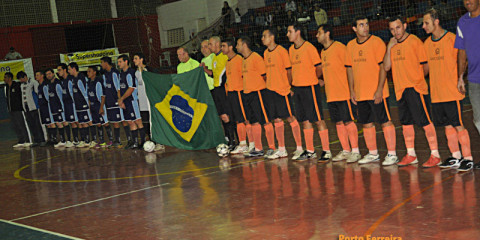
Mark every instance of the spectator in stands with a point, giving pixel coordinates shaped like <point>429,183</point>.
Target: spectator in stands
<point>238,16</point>
<point>290,18</point>
<point>227,14</point>
<point>29,102</point>
<point>320,15</point>
<point>13,93</point>
<point>260,19</point>
<point>268,18</point>
<point>290,6</point>
<point>186,62</point>
<point>13,55</point>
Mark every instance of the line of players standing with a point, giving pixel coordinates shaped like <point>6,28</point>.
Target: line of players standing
<point>79,109</point>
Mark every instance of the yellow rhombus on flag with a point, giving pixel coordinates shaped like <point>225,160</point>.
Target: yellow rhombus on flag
<point>183,113</point>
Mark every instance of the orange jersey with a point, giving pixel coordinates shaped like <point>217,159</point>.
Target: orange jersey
<point>365,59</point>
<point>304,61</point>
<point>442,62</point>
<point>407,59</point>
<point>253,71</point>
<point>277,63</point>
<point>234,74</point>
<point>335,73</point>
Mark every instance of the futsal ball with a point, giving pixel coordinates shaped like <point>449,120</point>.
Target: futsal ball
<point>222,150</point>
<point>149,146</point>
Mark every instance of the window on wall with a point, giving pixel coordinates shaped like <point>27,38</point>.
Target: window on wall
<point>175,36</point>
<point>89,37</point>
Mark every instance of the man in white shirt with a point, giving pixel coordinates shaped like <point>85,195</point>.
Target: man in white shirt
<point>13,55</point>
<point>29,92</point>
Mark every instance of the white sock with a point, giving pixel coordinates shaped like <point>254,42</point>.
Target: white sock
<point>457,155</point>
<point>282,149</point>
<point>394,153</point>
<point>436,153</point>
<point>355,150</point>
<point>411,152</point>
<point>299,148</point>
<point>373,152</point>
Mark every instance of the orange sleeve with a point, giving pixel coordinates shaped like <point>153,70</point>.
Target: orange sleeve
<point>348,57</point>
<point>422,55</point>
<point>286,60</point>
<point>380,51</point>
<point>313,53</point>
<point>260,64</point>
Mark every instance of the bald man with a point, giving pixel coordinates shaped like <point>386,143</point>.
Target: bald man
<point>218,93</point>
<point>207,63</point>
<point>186,62</point>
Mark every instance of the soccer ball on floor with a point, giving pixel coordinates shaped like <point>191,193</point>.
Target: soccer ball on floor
<point>149,146</point>
<point>222,150</point>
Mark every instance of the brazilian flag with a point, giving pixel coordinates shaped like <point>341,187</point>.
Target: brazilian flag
<point>182,111</point>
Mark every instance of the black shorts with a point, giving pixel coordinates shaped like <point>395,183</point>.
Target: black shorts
<point>255,108</point>
<point>413,108</point>
<point>96,117</point>
<point>114,114</point>
<point>220,98</point>
<point>131,111</point>
<point>57,118</point>
<point>369,112</point>
<point>45,115</point>
<point>278,106</point>
<point>84,116</point>
<point>237,111</point>
<point>447,113</point>
<point>70,113</point>
<point>342,111</point>
<point>308,105</point>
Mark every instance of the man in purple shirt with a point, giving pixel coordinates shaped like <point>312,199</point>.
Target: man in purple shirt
<point>468,35</point>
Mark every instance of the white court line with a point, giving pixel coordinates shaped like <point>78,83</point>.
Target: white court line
<point>40,230</point>
<point>113,196</point>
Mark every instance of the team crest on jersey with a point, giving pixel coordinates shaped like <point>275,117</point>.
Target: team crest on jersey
<point>360,53</point>
<point>437,51</point>
<point>269,60</point>
<point>398,52</point>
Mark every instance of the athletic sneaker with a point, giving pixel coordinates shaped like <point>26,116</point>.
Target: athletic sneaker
<point>354,157</point>
<point>297,154</point>
<point>231,147</point>
<point>116,145</point>
<point>92,144</point>
<point>76,143</point>
<point>59,145</point>
<point>133,145</point>
<point>240,149</point>
<point>269,153</point>
<point>342,155</point>
<point>101,145</point>
<point>27,144</point>
<point>369,158</point>
<point>278,154</point>
<point>129,143</point>
<point>109,144</point>
<point>325,156</point>
<point>306,155</point>
<point>432,162</point>
<point>390,160</point>
<point>82,144</point>
<point>450,162</point>
<point>254,153</point>
<point>407,160</point>
<point>19,145</point>
<point>465,165</point>
<point>69,144</point>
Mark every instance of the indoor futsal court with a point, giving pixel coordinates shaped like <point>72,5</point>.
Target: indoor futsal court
<point>176,194</point>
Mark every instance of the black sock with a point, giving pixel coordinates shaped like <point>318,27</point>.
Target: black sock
<point>61,133</point>
<point>142,134</point>
<point>225,130</point>
<point>51,134</point>
<point>232,133</point>
<point>128,133</point>
<point>93,132</point>
<point>86,134</point>
<point>82,134</point>
<point>117,134</point>
<point>75,133</point>
<point>68,133</point>
<point>100,134</point>
<point>135,136</point>
<point>146,128</point>
<point>109,133</point>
